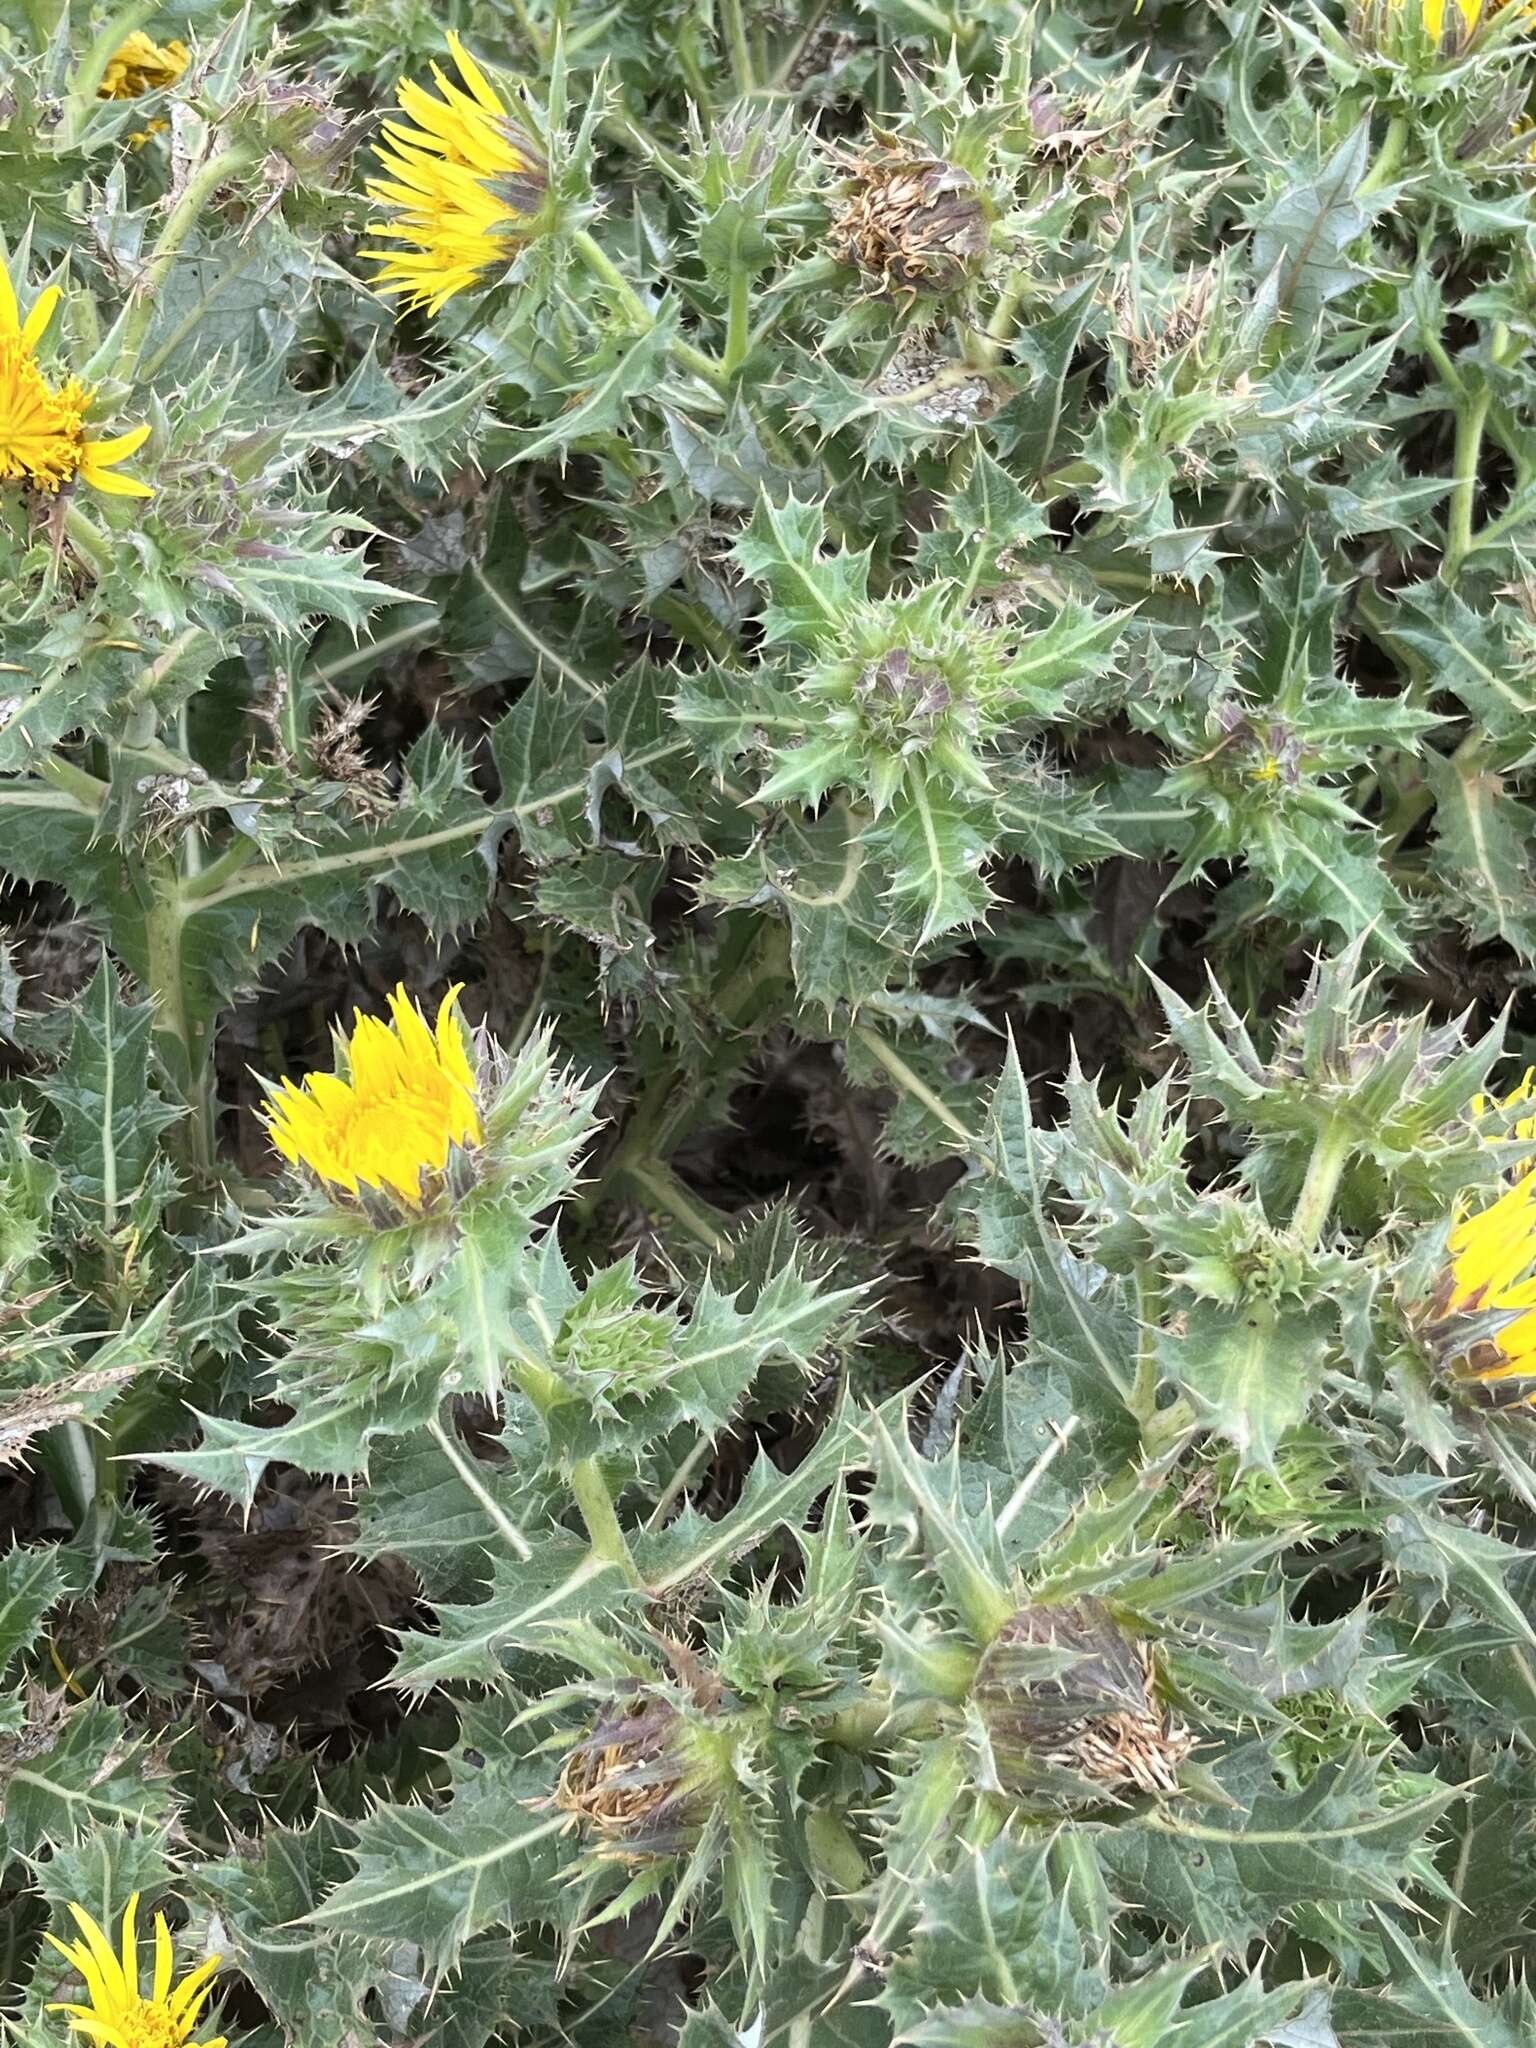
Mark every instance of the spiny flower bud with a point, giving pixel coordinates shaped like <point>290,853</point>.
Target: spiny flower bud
<point>1068,1704</point>
<point>916,223</point>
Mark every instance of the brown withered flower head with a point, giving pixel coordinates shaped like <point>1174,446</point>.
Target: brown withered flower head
<point>914,223</point>
<point>639,1784</point>
<point>1094,1729</point>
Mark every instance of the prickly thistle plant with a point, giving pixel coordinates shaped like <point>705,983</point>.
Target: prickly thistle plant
<point>767,1221</point>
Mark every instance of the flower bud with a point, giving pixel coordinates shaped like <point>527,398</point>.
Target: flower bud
<point>1069,1710</point>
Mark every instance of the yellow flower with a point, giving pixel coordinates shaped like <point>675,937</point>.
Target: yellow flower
<point>43,437</point>
<point>462,183</point>
<point>1493,1254</point>
<point>117,2016</point>
<point>1462,18</point>
<point>140,65</point>
<point>407,1101</point>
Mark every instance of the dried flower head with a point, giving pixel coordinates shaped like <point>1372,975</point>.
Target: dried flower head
<point>43,427</point>
<point>139,65</point>
<point>408,1102</point>
<point>117,2015</point>
<point>629,1785</point>
<point>464,183</point>
<point>1492,1269</point>
<point>1093,1727</point>
<point>916,223</point>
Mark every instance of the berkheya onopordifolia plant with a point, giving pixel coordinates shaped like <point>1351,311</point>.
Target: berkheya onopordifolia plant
<point>871,526</point>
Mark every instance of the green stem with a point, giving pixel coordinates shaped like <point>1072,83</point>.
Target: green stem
<point>1004,314</point>
<point>64,775</point>
<point>738,330</point>
<point>165,969</point>
<point>914,1085</point>
<point>1314,1204</point>
<point>88,541</point>
<point>93,65</point>
<point>201,186</point>
<point>235,858</point>
<point>537,41</point>
<point>608,273</point>
<point>596,1503</point>
<point>511,1535</point>
<point>1388,157</point>
<point>79,1469</point>
<point>1471,418</point>
<point>654,1178</point>
<point>1151,1302</point>
<point>741,49</point>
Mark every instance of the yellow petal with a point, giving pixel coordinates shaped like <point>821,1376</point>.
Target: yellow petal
<point>109,1968</point>
<point>36,325</point>
<point>474,77</point>
<point>131,1944</point>
<point>165,1960</point>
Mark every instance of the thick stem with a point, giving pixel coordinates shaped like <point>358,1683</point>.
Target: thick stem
<point>608,273</point>
<point>654,1178</point>
<point>1150,1304</point>
<point>596,1503</point>
<point>1314,1205</point>
<point>1471,418</point>
<point>88,541</point>
<point>73,781</point>
<point>1388,157</point>
<point>201,186</point>
<point>740,48</point>
<point>738,332</point>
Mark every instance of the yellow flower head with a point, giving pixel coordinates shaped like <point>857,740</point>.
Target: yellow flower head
<point>43,428</point>
<point>140,65</point>
<point>462,183</point>
<point>407,1101</point>
<point>1493,1260</point>
<point>117,2015</point>
<point>1451,23</point>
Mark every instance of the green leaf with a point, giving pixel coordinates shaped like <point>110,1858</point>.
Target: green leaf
<point>31,1580</point>
<point>809,592</point>
<point>109,1115</point>
<point>73,1771</point>
<point>488,1857</point>
<point>1301,234</point>
<point>1252,1370</point>
<point>314,1979</point>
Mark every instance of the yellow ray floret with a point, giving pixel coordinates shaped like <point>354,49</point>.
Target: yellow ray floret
<point>139,65</point>
<point>460,183</point>
<point>117,2014</point>
<point>408,1098</point>
<point>44,429</point>
<point>1493,1257</point>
